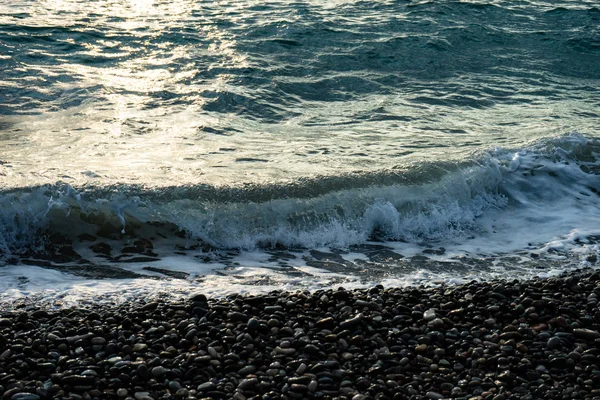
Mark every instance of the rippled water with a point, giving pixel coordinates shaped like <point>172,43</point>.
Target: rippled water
<point>162,92</point>
<point>312,125</point>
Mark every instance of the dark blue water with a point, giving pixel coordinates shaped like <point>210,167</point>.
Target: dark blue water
<point>209,128</point>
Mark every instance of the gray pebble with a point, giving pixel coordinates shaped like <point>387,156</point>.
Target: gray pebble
<point>434,395</point>
<point>253,324</point>
<point>553,343</point>
<point>586,334</point>
<point>140,347</point>
<point>158,372</point>
<point>429,315</point>
<point>206,387</point>
<point>174,386</point>
<point>25,396</point>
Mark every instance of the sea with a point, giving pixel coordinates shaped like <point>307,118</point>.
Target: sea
<point>169,147</point>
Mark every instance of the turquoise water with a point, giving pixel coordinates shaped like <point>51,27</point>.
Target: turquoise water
<point>253,126</point>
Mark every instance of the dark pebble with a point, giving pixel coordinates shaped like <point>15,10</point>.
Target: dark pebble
<point>498,340</point>
<point>352,322</point>
<point>24,396</point>
<point>206,387</point>
<point>253,324</point>
<point>246,384</point>
<point>553,343</point>
<point>586,334</point>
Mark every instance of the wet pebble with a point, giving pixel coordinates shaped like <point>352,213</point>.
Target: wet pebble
<point>553,343</point>
<point>158,371</point>
<point>486,340</point>
<point>253,324</point>
<point>24,396</point>
<point>429,315</point>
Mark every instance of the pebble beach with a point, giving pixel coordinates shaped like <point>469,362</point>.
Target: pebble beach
<point>333,200</point>
<point>496,340</point>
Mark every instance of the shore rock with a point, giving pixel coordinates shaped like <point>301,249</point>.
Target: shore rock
<point>496,340</point>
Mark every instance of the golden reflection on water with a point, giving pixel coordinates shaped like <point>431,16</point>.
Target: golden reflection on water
<point>125,59</point>
<point>160,84</point>
<point>116,8</point>
<point>149,66</point>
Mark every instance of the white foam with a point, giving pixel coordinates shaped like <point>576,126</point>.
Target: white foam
<point>509,215</point>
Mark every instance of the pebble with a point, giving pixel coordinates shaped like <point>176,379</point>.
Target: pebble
<point>301,369</point>
<point>54,338</point>
<point>246,384</point>
<point>158,372</point>
<point>287,351</point>
<point>352,322</point>
<point>139,347</point>
<point>206,387</point>
<point>486,340</point>
<point>174,386</point>
<point>421,348</point>
<point>24,396</point>
<point>429,315</point>
<point>253,324</point>
<point>99,341</point>
<point>490,322</point>
<point>436,323</point>
<point>78,380</point>
<point>212,352</point>
<point>296,387</point>
<point>248,369</point>
<point>586,334</point>
<point>553,343</point>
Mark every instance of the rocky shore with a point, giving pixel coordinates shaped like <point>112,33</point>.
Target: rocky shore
<point>535,339</point>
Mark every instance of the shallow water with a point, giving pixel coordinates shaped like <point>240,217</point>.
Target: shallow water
<point>225,138</point>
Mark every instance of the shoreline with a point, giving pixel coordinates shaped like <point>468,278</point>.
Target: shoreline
<point>496,340</point>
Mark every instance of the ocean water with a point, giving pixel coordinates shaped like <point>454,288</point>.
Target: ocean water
<point>181,146</point>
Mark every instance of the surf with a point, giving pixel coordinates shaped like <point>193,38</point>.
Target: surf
<point>420,202</point>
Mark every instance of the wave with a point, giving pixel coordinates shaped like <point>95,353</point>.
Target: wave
<point>418,203</point>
